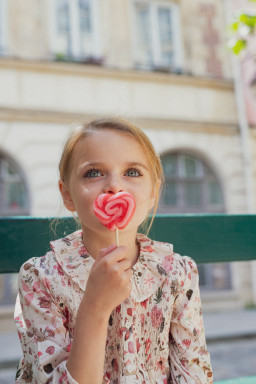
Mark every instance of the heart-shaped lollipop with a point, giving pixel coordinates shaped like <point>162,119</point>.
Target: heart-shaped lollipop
<point>114,210</point>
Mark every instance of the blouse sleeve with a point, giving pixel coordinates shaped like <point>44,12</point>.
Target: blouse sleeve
<point>40,324</point>
<point>190,360</point>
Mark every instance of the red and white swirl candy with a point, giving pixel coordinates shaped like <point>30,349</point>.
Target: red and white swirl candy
<point>114,210</point>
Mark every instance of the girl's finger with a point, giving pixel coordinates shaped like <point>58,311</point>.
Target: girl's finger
<point>124,264</point>
<point>105,251</point>
<point>117,254</point>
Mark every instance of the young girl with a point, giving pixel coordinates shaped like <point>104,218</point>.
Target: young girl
<point>91,312</point>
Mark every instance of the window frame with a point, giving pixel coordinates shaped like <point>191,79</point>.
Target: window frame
<point>179,181</point>
<point>206,271</point>
<point>75,54</point>
<point>24,211</point>
<point>178,61</point>
<point>3,27</point>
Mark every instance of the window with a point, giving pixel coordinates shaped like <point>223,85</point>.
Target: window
<point>13,202</point>
<point>191,186</point>
<point>8,289</point>
<point>75,29</point>
<point>157,35</point>
<point>216,276</point>
<point>3,26</point>
<point>13,191</point>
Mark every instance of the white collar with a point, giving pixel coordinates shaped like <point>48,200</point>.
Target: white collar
<point>148,272</point>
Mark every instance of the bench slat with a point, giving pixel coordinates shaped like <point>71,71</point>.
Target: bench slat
<point>240,380</point>
<point>206,238</point>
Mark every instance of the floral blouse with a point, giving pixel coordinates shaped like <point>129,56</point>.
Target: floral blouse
<point>155,336</point>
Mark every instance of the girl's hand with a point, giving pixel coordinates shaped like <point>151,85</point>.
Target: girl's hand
<point>109,281</point>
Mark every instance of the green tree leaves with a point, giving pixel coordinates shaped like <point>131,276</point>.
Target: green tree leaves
<point>243,26</point>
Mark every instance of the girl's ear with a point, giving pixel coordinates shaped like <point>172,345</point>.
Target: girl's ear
<point>66,197</point>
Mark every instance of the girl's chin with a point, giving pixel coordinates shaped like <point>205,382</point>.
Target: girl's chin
<point>101,230</point>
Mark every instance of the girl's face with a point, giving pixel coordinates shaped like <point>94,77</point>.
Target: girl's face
<point>108,161</point>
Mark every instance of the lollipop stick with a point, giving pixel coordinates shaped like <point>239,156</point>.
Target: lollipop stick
<point>117,237</point>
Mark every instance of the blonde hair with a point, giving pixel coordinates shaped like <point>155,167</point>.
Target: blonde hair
<point>121,126</point>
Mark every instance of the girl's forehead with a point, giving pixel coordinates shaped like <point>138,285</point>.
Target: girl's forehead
<point>109,146</point>
<point>104,141</point>
<point>108,134</point>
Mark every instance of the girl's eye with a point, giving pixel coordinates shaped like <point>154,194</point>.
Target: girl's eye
<point>133,172</point>
<point>93,173</point>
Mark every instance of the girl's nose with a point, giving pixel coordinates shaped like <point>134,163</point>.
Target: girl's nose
<point>112,190</point>
<point>113,186</point>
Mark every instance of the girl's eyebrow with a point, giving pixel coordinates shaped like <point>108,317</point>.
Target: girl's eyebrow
<point>134,164</point>
<point>100,164</point>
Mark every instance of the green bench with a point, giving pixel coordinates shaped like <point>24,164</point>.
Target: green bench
<point>206,238</point>
<point>241,380</point>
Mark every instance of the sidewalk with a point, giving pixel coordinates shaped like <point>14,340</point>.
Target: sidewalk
<point>10,353</point>
<point>230,325</point>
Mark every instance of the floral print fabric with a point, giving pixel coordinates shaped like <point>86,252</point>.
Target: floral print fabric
<point>155,336</point>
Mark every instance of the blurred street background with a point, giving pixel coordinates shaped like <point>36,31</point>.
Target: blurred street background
<point>185,72</point>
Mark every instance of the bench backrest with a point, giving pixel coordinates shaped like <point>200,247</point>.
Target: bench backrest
<point>206,238</point>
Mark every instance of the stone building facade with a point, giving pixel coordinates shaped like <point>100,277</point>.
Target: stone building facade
<point>161,64</point>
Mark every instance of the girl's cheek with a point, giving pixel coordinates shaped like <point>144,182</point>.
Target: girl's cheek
<point>145,196</point>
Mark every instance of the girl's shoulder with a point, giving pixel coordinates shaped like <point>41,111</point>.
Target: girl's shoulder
<point>67,262</point>
<point>163,253</point>
<point>63,252</point>
<point>40,265</point>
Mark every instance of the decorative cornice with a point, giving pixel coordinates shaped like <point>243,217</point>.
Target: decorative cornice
<point>45,116</point>
<point>79,69</point>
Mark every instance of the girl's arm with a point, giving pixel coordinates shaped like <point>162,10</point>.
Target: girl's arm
<point>108,285</point>
<point>40,322</point>
<point>190,360</point>
<point>86,360</point>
